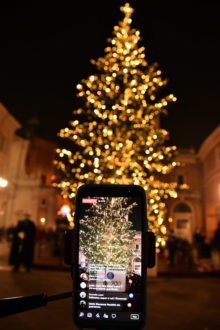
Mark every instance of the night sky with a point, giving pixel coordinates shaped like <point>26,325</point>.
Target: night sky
<point>46,47</point>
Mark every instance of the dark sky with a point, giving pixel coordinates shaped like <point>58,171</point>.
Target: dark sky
<point>46,47</point>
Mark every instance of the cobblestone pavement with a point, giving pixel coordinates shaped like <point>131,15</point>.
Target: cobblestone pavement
<point>173,303</point>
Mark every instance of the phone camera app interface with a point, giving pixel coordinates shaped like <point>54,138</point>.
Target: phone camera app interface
<point>110,259</point>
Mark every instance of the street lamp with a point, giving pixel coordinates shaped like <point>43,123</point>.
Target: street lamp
<point>66,212</point>
<point>3,183</point>
<point>43,220</point>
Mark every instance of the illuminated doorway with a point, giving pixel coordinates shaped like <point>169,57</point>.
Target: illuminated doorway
<point>183,221</point>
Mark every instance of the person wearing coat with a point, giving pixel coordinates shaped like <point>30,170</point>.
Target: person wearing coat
<point>22,249</point>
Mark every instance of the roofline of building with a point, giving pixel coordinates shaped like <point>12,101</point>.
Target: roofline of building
<point>210,142</point>
<point>187,155</point>
<point>14,121</point>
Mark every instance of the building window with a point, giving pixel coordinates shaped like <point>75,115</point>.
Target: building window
<point>27,161</point>
<point>2,142</point>
<point>205,168</point>
<point>182,208</point>
<point>182,223</point>
<point>137,246</point>
<point>43,179</point>
<point>217,157</point>
<point>180,179</point>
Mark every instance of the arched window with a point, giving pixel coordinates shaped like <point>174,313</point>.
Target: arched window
<point>180,179</point>
<point>182,208</point>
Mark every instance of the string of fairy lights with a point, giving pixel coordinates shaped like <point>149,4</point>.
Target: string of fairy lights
<point>115,134</point>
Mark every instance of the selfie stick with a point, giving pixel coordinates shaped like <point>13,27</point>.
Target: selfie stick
<point>9,306</point>
<point>15,305</point>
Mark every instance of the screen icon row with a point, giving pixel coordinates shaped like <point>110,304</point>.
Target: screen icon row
<point>90,315</point>
<point>134,316</point>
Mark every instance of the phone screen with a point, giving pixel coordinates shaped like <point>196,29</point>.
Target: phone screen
<point>110,272</point>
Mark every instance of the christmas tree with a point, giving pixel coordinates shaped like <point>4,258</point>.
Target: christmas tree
<point>115,136</point>
<point>106,232</point>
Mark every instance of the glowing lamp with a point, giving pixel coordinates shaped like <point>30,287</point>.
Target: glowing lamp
<point>42,220</point>
<point>3,183</point>
<point>65,210</point>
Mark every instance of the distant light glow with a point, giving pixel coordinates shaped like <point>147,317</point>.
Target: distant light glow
<point>3,183</point>
<point>65,210</point>
<point>42,220</point>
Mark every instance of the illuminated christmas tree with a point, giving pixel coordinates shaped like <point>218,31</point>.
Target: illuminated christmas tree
<point>107,232</point>
<point>114,136</point>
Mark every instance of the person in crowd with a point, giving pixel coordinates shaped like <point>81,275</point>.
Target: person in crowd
<point>199,242</point>
<point>22,249</point>
<point>216,246</point>
<point>172,246</point>
<point>216,238</point>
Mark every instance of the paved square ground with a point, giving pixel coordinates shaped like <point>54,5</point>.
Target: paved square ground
<point>173,303</point>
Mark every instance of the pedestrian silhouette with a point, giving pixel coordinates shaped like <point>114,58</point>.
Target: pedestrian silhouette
<point>216,239</point>
<point>22,249</point>
<point>216,248</point>
<point>172,245</point>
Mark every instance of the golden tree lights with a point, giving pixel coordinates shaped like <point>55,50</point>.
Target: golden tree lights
<point>114,135</point>
<point>101,237</point>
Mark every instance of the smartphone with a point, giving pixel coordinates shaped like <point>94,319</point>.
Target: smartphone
<point>110,263</point>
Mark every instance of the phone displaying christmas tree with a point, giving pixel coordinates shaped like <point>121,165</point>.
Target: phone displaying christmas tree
<point>110,244</point>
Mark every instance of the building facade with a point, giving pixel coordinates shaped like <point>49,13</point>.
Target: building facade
<point>209,155</point>
<point>27,165</point>
<point>187,210</point>
<point>197,209</point>
<point>8,126</point>
<point>29,189</point>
